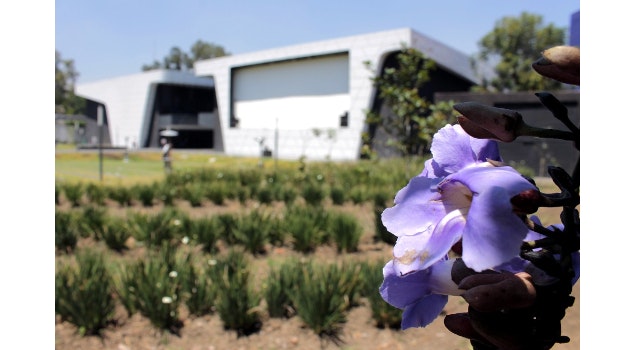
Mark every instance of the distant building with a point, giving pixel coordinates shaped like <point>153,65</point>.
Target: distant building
<point>304,100</point>
<point>139,106</point>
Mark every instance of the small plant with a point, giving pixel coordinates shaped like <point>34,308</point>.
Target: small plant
<point>65,231</point>
<point>253,230</point>
<point>345,231</point>
<point>243,194</point>
<point>207,231</point>
<point>237,303</point>
<point>216,193</point>
<point>115,234</point>
<point>153,288</point>
<point>200,291</point>
<point>289,195</point>
<point>155,229</point>
<point>121,195</point>
<point>166,194</point>
<point>314,193</point>
<point>96,194</point>
<point>338,196</point>
<point>145,194</point>
<point>320,301</point>
<point>74,193</point>
<point>194,194</point>
<point>278,287</point>
<point>264,194</point>
<point>58,191</point>
<point>359,194</point>
<point>91,221</point>
<point>304,231</point>
<point>83,294</point>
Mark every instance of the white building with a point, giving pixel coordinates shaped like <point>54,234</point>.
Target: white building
<point>302,100</point>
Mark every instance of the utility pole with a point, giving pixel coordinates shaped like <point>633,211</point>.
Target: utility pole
<point>275,147</point>
<point>100,125</point>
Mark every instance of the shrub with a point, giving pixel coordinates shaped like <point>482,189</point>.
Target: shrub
<point>237,300</point>
<point>338,196</point>
<point>289,195</point>
<point>96,194</point>
<point>194,194</point>
<point>65,231</point>
<point>345,231</point>
<point>83,294</point>
<point>207,231</point>
<point>58,190</point>
<point>264,194</point>
<point>313,193</point>
<point>152,287</point>
<point>304,231</point>
<point>145,194</point>
<point>167,194</point>
<point>121,195</point>
<point>359,195</point>
<point>154,229</point>
<point>320,301</point>
<point>115,234</point>
<point>199,290</point>
<point>91,221</point>
<point>216,193</point>
<point>74,193</point>
<point>279,286</point>
<point>253,230</point>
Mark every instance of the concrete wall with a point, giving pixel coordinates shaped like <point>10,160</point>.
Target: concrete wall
<point>314,136</point>
<point>129,100</point>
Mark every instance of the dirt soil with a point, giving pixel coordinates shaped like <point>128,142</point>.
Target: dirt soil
<point>359,332</point>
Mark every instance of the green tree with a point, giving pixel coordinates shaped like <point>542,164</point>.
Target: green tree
<point>514,43</point>
<point>65,76</point>
<point>178,59</point>
<point>412,120</point>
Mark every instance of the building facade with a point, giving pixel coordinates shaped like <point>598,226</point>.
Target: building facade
<point>308,100</point>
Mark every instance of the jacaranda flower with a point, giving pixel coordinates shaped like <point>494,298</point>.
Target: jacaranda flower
<point>471,204</point>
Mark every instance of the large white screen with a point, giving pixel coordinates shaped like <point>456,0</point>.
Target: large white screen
<point>300,94</point>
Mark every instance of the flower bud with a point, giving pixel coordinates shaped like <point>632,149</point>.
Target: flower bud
<point>487,122</point>
<point>561,63</point>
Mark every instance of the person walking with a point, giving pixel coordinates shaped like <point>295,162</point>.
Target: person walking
<point>166,154</point>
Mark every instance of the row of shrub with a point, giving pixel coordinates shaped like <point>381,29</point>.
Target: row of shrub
<point>358,183</point>
<point>88,288</point>
<point>218,193</point>
<point>304,228</point>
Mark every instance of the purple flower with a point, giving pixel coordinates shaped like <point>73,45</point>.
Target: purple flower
<point>421,295</point>
<point>453,149</point>
<point>460,195</point>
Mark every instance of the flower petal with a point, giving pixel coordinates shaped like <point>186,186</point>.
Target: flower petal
<point>414,211</point>
<point>493,233</point>
<point>423,312</point>
<point>403,290</point>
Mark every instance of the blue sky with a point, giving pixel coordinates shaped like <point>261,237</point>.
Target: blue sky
<point>112,38</point>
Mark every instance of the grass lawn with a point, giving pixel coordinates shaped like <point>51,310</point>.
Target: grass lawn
<point>144,166</point>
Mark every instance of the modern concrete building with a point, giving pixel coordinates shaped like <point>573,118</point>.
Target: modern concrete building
<point>139,106</point>
<point>303,100</point>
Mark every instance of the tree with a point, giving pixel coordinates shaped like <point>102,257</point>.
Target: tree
<point>178,59</point>
<point>65,76</point>
<point>413,120</point>
<point>515,42</point>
